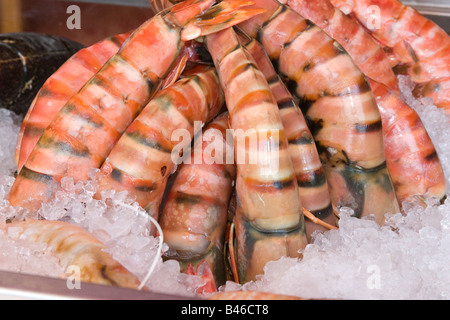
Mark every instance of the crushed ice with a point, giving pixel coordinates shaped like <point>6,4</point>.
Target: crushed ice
<point>115,220</point>
<point>121,224</point>
<point>408,258</point>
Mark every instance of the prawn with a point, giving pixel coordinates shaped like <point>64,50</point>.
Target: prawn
<point>412,161</point>
<point>74,246</point>
<point>311,180</point>
<point>269,219</point>
<point>195,214</point>
<point>338,105</point>
<point>88,126</point>
<point>59,88</point>
<point>143,158</point>
<point>416,42</point>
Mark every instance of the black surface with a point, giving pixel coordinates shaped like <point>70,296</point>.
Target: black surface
<point>26,61</point>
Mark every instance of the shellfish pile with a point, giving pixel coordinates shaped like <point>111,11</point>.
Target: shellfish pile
<point>322,135</point>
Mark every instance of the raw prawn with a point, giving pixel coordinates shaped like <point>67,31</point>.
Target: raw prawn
<point>143,158</point>
<point>88,126</point>
<point>195,214</point>
<point>269,219</point>
<point>414,40</point>
<point>70,78</point>
<point>59,88</point>
<point>74,246</point>
<point>363,48</point>
<point>420,178</point>
<point>412,161</point>
<point>311,180</point>
<point>338,105</point>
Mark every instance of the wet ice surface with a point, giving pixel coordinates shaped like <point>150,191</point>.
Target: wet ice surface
<point>408,258</point>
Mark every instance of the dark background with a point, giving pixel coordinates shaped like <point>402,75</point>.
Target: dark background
<point>98,21</point>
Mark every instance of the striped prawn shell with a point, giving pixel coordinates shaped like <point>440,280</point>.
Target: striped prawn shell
<point>412,160</point>
<point>59,88</point>
<point>415,41</point>
<point>74,246</point>
<point>414,38</point>
<point>366,52</point>
<point>269,220</point>
<point>88,126</point>
<point>195,213</point>
<point>311,179</point>
<point>338,105</point>
<point>143,158</point>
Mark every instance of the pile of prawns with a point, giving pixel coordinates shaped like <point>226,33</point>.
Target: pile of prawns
<point>321,78</point>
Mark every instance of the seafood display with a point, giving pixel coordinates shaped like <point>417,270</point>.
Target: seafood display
<point>338,104</point>
<point>412,161</point>
<point>26,60</point>
<point>242,127</point>
<point>88,126</point>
